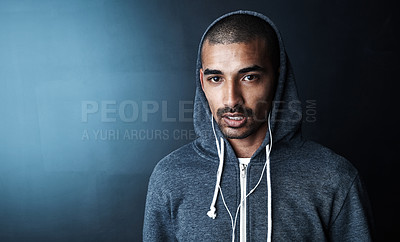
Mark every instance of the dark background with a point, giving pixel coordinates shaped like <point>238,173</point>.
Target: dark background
<point>70,172</point>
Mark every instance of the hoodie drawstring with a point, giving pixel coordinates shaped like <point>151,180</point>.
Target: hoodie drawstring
<point>212,212</point>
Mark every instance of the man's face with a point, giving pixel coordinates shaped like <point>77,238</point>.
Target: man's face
<point>238,81</point>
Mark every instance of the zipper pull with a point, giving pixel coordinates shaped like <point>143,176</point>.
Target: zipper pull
<point>243,170</point>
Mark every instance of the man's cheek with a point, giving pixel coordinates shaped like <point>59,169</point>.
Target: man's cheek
<point>212,109</point>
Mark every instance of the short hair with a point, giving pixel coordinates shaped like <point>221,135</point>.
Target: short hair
<point>242,28</point>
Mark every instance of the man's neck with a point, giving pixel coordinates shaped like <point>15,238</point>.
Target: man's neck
<point>245,148</point>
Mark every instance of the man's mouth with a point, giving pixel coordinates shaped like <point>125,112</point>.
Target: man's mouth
<point>234,120</point>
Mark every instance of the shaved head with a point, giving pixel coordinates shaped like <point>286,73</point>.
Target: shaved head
<point>243,28</point>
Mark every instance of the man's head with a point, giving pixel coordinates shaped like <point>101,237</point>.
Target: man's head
<point>240,60</point>
<point>242,28</point>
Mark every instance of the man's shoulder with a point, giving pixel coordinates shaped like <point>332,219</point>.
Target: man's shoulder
<point>175,161</point>
<point>318,152</point>
<point>317,162</point>
<point>177,169</point>
<point>181,154</point>
<point>326,161</point>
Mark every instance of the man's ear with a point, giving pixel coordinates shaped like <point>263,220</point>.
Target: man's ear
<point>201,78</point>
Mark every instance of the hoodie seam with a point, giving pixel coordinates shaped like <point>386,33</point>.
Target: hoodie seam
<point>344,201</point>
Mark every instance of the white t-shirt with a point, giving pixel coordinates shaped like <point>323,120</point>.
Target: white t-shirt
<point>245,161</point>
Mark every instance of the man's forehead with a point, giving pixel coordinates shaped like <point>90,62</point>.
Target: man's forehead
<point>244,53</point>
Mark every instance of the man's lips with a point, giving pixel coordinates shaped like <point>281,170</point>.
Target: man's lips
<point>234,120</point>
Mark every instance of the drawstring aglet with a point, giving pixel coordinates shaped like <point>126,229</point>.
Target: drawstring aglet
<point>212,214</point>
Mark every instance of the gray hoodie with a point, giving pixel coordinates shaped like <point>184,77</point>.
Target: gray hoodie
<point>315,194</point>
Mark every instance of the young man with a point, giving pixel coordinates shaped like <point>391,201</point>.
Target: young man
<point>250,175</point>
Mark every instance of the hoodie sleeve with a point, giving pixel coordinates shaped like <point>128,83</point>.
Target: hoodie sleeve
<point>353,222</point>
<point>157,218</point>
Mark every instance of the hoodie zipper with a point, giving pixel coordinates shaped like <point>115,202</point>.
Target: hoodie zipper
<point>243,193</point>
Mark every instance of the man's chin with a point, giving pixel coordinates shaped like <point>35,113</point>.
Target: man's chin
<point>231,133</point>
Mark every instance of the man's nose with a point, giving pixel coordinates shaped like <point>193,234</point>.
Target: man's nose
<point>232,94</point>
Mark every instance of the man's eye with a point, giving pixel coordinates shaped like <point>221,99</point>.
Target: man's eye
<point>250,77</point>
<point>214,79</point>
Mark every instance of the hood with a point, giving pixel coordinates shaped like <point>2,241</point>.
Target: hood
<point>286,113</point>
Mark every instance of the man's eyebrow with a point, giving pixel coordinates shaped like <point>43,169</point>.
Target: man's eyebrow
<point>212,72</point>
<point>251,68</point>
